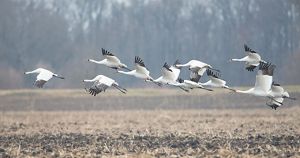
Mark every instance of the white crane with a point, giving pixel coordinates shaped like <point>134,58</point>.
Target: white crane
<point>197,68</point>
<point>110,61</point>
<point>187,85</point>
<point>140,70</point>
<point>43,76</point>
<point>215,80</point>
<point>252,59</point>
<point>279,94</point>
<point>264,79</point>
<point>101,83</point>
<point>170,74</point>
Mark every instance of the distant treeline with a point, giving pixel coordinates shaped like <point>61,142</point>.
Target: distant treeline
<point>62,35</point>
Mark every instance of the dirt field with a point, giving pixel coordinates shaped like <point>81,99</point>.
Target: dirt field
<point>135,131</point>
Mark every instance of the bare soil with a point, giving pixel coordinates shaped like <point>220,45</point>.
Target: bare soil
<point>162,131</point>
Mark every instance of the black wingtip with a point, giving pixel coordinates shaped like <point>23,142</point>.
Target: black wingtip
<point>139,61</point>
<point>106,52</point>
<point>267,68</point>
<point>264,65</point>
<point>247,49</point>
<point>215,74</point>
<point>275,84</point>
<point>103,51</point>
<point>167,66</point>
<point>251,68</point>
<point>180,80</point>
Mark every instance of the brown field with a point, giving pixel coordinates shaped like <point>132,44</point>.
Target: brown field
<point>154,123</point>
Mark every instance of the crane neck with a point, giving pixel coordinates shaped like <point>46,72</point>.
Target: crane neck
<point>97,62</point>
<point>127,72</point>
<point>32,72</point>
<point>241,59</point>
<point>249,91</point>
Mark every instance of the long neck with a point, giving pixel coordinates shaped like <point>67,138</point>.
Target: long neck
<point>183,65</point>
<point>128,72</point>
<point>32,72</point>
<point>97,62</point>
<point>242,59</point>
<point>249,91</point>
<point>92,80</point>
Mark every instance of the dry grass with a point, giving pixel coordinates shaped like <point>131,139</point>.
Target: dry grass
<point>166,133</point>
<point>145,123</point>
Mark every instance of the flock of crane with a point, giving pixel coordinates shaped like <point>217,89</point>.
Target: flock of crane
<point>264,84</point>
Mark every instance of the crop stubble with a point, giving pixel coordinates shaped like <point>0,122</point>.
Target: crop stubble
<point>135,132</point>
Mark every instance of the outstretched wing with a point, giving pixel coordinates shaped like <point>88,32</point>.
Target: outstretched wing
<point>167,73</point>
<point>249,50</point>
<point>97,88</point>
<point>266,68</point>
<point>140,66</point>
<point>194,76</point>
<point>139,61</point>
<point>106,53</point>
<point>276,88</point>
<point>39,83</point>
<point>213,74</point>
<point>110,56</point>
<point>250,67</point>
<point>264,78</point>
<point>274,103</point>
<point>275,84</point>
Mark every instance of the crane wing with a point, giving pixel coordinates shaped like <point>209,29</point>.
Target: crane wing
<point>44,75</point>
<point>176,72</point>
<point>274,103</point>
<point>110,57</point>
<point>254,56</point>
<point>213,74</point>
<point>97,88</point>
<point>250,67</point>
<point>276,88</point>
<point>106,80</point>
<point>100,85</point>
<point>217,81</point>
<point>263,82</point>
<point>39,83</point>
<point>167,73</point>
<point>194,76</point>
<point>249,50</point>
<point>140,66</point>
<point>266,68</point>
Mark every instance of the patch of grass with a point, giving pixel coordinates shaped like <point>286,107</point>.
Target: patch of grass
<point>159,133</point>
